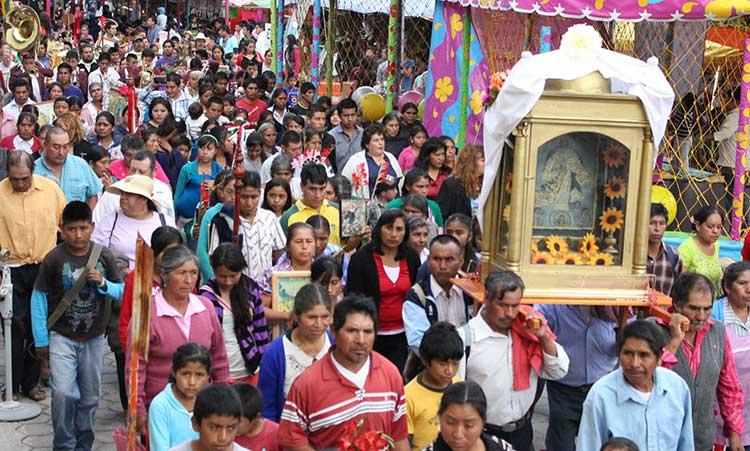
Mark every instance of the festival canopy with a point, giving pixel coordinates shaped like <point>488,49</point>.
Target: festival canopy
<point>412,8</point>
<point>631,10</point>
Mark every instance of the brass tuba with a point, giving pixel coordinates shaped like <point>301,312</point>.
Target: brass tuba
<point>22,28</point>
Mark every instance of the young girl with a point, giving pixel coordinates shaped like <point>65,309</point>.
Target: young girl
<point>201,171</point>
<point>450,151</point>
<point>236,300</point>
<point>409,155</point>
<point>322,232</point>
<point>327,272</point>
<point>171,411</point>
<point>277,196</point>
<point>459,226</point>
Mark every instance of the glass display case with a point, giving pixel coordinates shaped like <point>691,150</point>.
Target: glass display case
<point>570,204</point>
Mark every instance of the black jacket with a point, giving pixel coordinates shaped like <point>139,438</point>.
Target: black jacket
<point>362,276</point>
<point>452,198</point>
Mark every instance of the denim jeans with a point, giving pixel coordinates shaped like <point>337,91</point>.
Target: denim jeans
<point>76,368</point>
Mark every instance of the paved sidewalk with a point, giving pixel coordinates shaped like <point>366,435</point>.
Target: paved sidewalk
<point>36,434</point>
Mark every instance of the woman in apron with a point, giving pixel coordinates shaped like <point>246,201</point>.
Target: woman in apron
<point>734,311</point>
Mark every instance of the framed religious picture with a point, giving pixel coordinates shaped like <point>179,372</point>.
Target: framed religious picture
<point>353,217</point>
<point>46,112</point>
<point>284,287</point>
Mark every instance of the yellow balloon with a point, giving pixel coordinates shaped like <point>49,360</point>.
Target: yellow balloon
<point>372,106</point>
<point>661,195</point>
<point>420,110</point>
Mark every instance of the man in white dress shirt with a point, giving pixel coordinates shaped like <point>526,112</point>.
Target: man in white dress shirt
<point>142,163</point>
<point>507,356</point>
<point>21,90</point>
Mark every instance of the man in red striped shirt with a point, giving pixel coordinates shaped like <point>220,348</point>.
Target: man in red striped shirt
<point>350,384</point>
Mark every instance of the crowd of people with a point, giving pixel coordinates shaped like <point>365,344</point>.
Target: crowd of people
<point>381,348</point>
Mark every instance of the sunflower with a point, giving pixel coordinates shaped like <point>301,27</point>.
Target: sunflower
<point>542,258</point>
<point>615,188</point>
<point>614,156</point>
<point>611,220</point>
<point>556,245</point>
<point>588,245</point>
<point>601,259</point>
<point>569,258</point>
<point>534,247</point>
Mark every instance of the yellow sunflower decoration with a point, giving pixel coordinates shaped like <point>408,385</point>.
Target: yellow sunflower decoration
<point>569,258</point>
<point>534,247</point>
<point>542,258</point>
<point>556,245</point>
<point>614,156</point>
<point>615,188</point>
<point>611,220</point>
<point>601,259</point>
<point>588,244</point>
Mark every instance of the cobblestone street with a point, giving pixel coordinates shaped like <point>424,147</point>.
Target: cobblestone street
<point>36,434</point>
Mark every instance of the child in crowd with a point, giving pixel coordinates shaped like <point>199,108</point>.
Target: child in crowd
<point>216,417</point>
<point>192,175</point>
<point>408,156</point>
<point>327,272</point>
<point>169,414</point>
<point>441,351</point>
<point>255,432</point>
<point>277,196</point>
<point>195,120</point>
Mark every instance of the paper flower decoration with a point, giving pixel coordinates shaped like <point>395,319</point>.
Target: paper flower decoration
<point>601,259</point>
<point>493,90</point>
<point>569,258</point>
<point>542,258</point>
<point>588,245</point>
<point>581,41</point>
<point>556,245</point>
<point>614,156</point>
<point>611,220</point>
<point>615,188</point>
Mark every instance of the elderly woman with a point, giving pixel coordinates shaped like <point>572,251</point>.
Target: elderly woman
<point>734,311</point>
<point>178,317</point>
<point>71,123</point>
<point>138,215</point>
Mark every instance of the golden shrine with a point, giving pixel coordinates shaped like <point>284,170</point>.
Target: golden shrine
<point>570,205</point>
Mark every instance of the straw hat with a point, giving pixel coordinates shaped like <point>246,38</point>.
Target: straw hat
<point>134,184</point>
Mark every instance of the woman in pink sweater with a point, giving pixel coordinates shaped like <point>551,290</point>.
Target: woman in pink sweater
<point>177,317</point>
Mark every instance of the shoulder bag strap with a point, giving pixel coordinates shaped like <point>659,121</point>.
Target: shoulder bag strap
<point>111,232</point>
<point>70,295</point>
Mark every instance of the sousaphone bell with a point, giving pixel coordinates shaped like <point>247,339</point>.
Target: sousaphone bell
<point>22,28</point>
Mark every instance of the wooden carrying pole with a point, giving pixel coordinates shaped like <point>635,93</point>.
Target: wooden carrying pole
<point>140,329</point>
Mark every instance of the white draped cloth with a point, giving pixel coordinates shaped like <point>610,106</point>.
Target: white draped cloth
<point>525,85</point>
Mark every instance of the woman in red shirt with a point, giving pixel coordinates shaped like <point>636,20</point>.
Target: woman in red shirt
<point>389,257</point>
<point>24,139</point>
<point>432,159</point>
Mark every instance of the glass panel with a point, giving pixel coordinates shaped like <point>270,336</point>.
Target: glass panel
<point>506,174</point>
<point>579,201</point>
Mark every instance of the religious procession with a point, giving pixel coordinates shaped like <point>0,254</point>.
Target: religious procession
<point>367,225</point>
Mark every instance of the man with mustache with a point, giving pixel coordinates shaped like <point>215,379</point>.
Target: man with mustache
<point>507,356</point>
<point>350,385</point>
<point>703,357</point>
<point>639,401</point>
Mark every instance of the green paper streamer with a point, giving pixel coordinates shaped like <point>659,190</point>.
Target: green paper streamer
<point>390,83</point>
<point>274,38</point>
<point>465,70</point>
